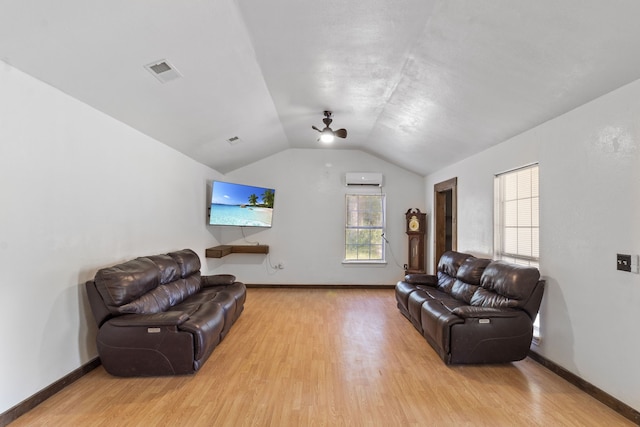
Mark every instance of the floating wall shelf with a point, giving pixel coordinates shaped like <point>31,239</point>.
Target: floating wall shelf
<point>224,250</point>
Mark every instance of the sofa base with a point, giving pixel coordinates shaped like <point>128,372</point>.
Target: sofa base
<point>474,343</point>
<point>137,353</point>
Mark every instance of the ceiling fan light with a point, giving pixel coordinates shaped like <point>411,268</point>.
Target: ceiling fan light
<point>327,136</point>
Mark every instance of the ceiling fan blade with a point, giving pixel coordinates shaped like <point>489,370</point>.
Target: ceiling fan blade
<point>340,133</point>
<point>313,127</point>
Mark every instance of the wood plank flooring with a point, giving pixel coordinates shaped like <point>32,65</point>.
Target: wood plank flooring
<point>326,357</point>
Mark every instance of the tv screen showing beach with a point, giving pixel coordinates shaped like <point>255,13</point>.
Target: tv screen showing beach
<point>241,205</point>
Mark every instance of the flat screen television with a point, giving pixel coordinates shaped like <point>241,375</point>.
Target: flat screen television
<point>241,205</point>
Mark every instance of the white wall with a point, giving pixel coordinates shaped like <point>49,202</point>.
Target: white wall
<point>308,222</point>
<point>79,191</point>
<point>589,211</point>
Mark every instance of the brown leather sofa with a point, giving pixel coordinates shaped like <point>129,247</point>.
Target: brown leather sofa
<point>158,316</point>
<point>474,310</point>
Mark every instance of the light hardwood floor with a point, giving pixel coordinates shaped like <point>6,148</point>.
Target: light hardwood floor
<point>326,357</point>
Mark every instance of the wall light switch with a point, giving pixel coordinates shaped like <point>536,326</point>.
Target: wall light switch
<point>624,262</point>
<point>630,263</point>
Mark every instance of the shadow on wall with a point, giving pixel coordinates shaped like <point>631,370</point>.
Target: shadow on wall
<point>557,330</point>
<point>70,321</point>
<point>87,329</point>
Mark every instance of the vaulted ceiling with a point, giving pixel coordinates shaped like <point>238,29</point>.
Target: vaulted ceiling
<point>420,83</point>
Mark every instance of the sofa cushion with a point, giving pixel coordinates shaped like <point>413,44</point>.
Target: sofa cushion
<point>448,267</point>
<point>471,270</point>
<point>463,291</point>
<point>163,297</point>
<point>436,323</point>
<point>168,267</point>
<point>403,290</point>
<point>421,279</point>
<point>188,261</point>
<point>154,301</point>
<point>505,285</point>
<point>451,261</point>
<point>123,283</point>
<point>206,325</point>
<point>148,285</point>
<point>468,278</point>
<point>414,305</point>
<point>218,279</point>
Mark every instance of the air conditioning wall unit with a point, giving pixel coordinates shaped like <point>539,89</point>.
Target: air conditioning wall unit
<point>373,179</point>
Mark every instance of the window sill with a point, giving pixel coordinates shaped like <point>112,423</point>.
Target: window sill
<point>363,261</point>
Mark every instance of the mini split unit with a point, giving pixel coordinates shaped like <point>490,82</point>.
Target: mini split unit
<point>373,179</point>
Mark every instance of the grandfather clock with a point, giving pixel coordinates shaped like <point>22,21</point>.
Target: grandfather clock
<point>416,229</point>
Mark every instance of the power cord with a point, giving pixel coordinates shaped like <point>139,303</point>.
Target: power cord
<point>388,246</point>
<point>245,238</point>
<point>271,269</point>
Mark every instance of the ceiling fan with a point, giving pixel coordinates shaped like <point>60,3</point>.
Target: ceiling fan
<point>327,135</point>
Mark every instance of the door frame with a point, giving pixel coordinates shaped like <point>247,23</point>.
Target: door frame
<point>439,217</point>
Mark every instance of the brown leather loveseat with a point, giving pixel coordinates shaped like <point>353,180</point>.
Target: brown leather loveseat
<point>158,316</point>
<point>474,310</point>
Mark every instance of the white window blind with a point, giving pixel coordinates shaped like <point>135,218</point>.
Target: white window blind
<point>517,226</point>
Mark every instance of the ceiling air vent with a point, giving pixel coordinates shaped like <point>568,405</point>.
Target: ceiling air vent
<point>163,71</point>
<point>234,140</point>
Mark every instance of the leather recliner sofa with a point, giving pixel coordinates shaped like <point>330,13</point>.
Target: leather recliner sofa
<point>474,310</point>
<point>157,315</point>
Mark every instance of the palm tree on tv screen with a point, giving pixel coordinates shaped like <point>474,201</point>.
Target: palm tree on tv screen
<point>253,199</point>
<point>267,198</point>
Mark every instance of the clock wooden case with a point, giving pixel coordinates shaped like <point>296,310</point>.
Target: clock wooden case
<point>416,222</point>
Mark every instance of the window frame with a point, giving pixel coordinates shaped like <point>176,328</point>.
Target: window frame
<point>499,251</point>
<point>381,228</point>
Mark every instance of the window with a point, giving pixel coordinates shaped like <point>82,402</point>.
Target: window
<point>364,227</point>
<point>517,226</point>
<point>517,216</point>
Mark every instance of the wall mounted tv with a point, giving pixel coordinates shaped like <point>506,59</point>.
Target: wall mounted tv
<point>241,205</point>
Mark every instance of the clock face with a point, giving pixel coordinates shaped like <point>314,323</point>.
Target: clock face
<point>414,224</point>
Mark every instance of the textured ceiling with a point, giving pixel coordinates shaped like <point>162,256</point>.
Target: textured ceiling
<point>419,83</point>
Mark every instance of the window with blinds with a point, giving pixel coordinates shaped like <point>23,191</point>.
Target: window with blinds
<point>517,227</point>
<point>364,228</point>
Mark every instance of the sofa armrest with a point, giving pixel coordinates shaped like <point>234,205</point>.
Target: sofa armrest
<point>218,280</point>
<point>167,318</point>
<point>470,311</point>
<point>421,279</point>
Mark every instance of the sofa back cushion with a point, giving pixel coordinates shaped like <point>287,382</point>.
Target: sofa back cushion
<point>188,261</point>
<point>163,297</point>
<point>151,284</point>
<point>468,278</point>
<point>505,285</point>
<point>123,283</point>
<point>448,267</point>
